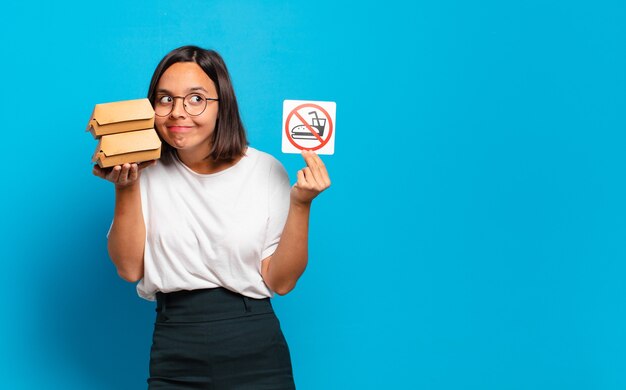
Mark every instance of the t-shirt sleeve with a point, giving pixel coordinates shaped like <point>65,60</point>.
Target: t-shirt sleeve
<point>279,190</point>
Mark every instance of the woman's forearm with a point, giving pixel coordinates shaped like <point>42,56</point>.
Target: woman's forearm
<point>128,233</point>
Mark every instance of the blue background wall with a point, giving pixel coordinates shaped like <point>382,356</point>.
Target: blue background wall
<point>475,233</point>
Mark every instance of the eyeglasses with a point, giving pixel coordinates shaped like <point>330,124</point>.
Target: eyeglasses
<point>194,104</point>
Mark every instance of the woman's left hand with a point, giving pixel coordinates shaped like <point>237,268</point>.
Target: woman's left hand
<point>311,180</point>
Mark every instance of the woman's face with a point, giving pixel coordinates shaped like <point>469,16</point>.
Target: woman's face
<point>179,129</point>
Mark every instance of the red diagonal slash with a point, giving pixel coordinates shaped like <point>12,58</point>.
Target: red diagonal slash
<point>309,127</point>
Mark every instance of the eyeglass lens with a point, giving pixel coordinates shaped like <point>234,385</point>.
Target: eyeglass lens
<point>194,104</point>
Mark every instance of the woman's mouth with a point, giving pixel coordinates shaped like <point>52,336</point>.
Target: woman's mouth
<point>178,129</point>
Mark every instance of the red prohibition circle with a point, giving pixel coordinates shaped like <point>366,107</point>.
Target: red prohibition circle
<point>330,126</point>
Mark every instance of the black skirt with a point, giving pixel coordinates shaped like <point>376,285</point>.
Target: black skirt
<point>217,339</point>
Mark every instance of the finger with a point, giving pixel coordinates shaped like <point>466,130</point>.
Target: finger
<point>114,175</point>
<point>310,178</point>
<point>97,171</point>
<point>323,172</point>
<point>124,174</point>
<point>319,162</point>
<point>301,183</point>
<point>308,158</point>
<point>134,172</point>
<point>316,174</point>
<point>314,177</point>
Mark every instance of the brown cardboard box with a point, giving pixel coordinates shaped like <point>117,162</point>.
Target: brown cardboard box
<point>118,117</point>
<point>128,147</point>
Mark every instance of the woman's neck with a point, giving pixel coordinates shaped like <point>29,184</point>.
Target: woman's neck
<point>200,162</point>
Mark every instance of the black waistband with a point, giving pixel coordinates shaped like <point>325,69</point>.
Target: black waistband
<point>207,305</point>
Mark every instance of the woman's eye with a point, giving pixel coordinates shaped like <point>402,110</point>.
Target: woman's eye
<point>165,100</point>
<point>196,99</point>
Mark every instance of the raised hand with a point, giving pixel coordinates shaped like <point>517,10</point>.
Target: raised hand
<point>312,180</point>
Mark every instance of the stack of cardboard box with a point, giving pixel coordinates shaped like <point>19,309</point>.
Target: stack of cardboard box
<point>126,133</point>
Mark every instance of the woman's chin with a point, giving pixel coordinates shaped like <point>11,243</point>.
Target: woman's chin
<point>177,142</point>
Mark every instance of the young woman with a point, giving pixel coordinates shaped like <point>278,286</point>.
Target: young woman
<point>211,232</point>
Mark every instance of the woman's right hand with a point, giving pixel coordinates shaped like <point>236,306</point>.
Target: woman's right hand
<point>122,175</point>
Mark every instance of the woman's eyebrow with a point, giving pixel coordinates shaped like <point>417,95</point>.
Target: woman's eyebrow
<point>197,89</point>
<point>192,89</point>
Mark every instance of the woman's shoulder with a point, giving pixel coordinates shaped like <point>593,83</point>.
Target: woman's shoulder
<point>262,157</point>
<point>270,167</point>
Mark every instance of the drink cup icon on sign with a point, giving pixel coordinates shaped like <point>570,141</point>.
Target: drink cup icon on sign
<point>302,132</point>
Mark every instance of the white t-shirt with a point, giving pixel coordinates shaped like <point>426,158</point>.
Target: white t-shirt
<point>212,230</point>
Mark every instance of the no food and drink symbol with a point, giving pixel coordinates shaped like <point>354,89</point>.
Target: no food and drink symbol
<point>308,125</point>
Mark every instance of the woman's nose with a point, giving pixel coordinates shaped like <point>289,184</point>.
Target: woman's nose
<point>178,110</point>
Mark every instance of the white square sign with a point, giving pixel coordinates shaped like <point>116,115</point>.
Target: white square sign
<point>308,125</point>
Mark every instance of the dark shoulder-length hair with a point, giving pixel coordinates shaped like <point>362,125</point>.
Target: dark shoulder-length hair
<point>229,137</point>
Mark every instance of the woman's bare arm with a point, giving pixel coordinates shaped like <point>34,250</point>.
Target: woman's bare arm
<point>128,233</point>
<point>282,270</point>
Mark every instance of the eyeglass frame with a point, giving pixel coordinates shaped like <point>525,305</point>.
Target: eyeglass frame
<point>184,106</point>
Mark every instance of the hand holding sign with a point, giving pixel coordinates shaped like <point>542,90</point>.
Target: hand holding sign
<point>312,180</point>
